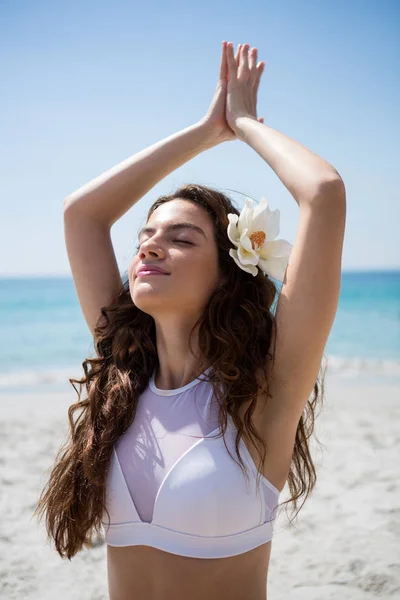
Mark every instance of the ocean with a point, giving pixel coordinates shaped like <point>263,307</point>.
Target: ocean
<point>45,337</point>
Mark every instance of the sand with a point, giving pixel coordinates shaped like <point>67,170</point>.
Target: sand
<point>345,543</point>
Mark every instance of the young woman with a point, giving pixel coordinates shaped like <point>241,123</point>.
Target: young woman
<point>198,406</point>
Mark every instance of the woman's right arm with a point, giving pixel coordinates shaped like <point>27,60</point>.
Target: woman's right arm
<point>110,195</point>
<point>90,212</point>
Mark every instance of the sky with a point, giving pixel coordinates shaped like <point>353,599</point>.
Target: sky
<point>87,84</point>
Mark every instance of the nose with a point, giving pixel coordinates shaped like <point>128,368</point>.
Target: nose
<point>150,247</point>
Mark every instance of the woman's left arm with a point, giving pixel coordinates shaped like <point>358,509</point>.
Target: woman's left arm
<point>305,175</point>
<point>309,297</point>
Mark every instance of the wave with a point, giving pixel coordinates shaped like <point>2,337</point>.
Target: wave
<point>356,367</point>
<point>58,378</point>
<point>38,377</point>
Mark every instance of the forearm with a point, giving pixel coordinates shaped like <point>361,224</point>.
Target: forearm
<point>299,169</point>
<point>110,195</point>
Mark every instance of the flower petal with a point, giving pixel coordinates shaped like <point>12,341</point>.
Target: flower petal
<point>275,267</point>
<point>247,258</point>
<point>249,269</point>
<point>272,227</point>
<point>245,242</point>
<point>246,216</point>
<point>232,230</point>
<point>276,248</point>
<point>260,215</point>
<point>265,219</point>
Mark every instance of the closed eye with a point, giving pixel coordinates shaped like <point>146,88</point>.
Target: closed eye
<point>177,241</point>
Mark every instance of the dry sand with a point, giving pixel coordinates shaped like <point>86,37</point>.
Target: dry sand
<point>345,543</point>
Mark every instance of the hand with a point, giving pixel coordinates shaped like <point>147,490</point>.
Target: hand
<point>243,80</point>
<point>215,119</point>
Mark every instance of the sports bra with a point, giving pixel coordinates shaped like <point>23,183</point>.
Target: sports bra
<point>182,496</point>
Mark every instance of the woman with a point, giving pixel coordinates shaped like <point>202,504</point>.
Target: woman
<point>196,352</point>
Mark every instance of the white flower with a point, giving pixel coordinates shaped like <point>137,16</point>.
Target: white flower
<point>253,233</point>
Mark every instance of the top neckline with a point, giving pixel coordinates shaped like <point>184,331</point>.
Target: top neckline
<point>174,391</point>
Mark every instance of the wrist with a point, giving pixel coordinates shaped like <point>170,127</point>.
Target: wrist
<point>242,124</point>
<point>210,137</point>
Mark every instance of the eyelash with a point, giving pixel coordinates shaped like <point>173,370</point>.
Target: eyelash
<point>178,241</point>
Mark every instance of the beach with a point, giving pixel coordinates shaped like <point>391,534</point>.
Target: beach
<point>345,541</point>
<point>111,110</point>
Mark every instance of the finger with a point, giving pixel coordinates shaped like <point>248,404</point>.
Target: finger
<point>222,67</point>
<point>244,60</point>
<point>260,119</point>
<point>259,72</point>
<point>237,57</point>
<point>252,58</point>
<point>232,67</point>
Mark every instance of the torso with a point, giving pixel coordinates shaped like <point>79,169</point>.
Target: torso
<point>136,572</point>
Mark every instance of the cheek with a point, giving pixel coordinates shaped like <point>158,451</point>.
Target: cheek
<point>200,277</point>
<point>132,268</point>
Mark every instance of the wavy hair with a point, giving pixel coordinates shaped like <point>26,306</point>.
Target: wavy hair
<point>235,334</point>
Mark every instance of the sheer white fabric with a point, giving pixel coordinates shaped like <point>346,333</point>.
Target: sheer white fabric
<point>166,424</point>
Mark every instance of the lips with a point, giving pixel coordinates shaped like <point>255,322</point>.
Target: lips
<point>150,269</point>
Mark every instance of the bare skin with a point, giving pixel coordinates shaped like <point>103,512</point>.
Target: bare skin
<point>137,572</point>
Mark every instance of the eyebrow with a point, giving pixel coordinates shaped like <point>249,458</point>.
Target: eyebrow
<point>173,227</point>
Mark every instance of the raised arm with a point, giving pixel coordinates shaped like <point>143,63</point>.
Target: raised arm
<point>310,291</point>
<point>110,195</point>
<point>90,212</point>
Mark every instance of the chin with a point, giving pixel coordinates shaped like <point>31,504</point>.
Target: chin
<point>149,301</point>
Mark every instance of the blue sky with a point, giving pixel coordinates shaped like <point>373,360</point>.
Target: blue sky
<point>85,85</point>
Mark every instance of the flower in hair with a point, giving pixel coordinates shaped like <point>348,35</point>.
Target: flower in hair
<point>253,232</point>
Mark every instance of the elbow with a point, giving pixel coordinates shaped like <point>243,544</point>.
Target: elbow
<point>331,192</point>
<point>336,182</point>
<point>70,204</point>
<point>66,203</point>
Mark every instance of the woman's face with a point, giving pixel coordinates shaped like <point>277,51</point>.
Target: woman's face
<point>188,255</point>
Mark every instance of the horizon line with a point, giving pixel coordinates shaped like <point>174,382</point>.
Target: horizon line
<point>123,273</point>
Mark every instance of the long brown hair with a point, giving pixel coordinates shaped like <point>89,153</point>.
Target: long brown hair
<point>235,332</point>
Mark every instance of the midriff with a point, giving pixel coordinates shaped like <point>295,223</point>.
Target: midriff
<point>146,573</point>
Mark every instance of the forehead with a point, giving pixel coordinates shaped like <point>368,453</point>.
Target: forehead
<point>178,211</point>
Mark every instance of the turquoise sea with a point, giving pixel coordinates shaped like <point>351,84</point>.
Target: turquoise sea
<point>44,337</point>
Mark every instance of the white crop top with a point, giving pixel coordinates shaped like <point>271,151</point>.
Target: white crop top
<point>172,486</point>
